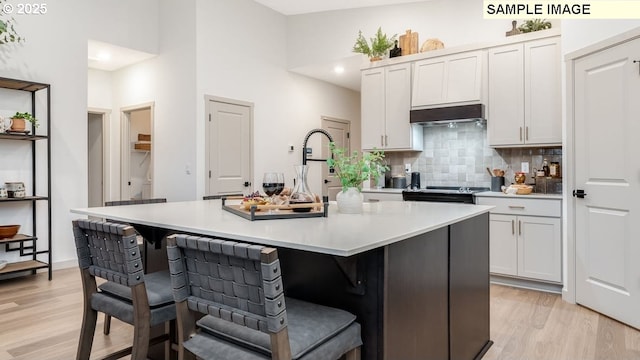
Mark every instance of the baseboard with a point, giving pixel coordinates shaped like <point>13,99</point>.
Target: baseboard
<point>526,284</point>
<point>64,264</point>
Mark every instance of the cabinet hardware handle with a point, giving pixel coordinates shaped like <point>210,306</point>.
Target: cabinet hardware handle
<point>520,133</point>
<point>526,133</point>
<point>513,227</point>
<point>516,207</point>
<point>386,141</point>
<point>519,227</point>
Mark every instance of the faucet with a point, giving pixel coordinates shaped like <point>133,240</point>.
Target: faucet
<point>304,144</point>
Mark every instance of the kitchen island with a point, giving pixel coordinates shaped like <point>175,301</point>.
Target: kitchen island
<point>416,274</point>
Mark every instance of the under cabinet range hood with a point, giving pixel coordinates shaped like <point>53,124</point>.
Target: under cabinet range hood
<point>447,115</point>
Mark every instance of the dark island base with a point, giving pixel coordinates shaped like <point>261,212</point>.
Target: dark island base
<point>435,304</point>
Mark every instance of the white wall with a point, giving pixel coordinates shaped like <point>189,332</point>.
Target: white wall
<point>55,52</point>
<point>130,24</point>
<point>577,34</point>
<point>242,54</point>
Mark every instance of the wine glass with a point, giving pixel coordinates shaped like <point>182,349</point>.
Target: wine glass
<point>279,188</point>
<point>280,183</point>
<point>270,183</point>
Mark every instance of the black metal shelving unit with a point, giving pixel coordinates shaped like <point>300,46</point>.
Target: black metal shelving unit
<point>27,244</point>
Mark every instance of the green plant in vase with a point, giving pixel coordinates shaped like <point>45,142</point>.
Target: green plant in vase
<point>352,169</point>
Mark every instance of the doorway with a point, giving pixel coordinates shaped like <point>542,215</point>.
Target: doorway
<point>98,156</point>
<point>228,139</point>
<point>137,152</point>
<point>340,132</point>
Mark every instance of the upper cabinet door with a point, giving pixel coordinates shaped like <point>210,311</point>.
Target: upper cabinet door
<point>524,94</point>
<point>372,99</point>
<point>448,80</point>
<point>543,108</point>
<point>505,112</point>
<point>398,103</point>
<point>428,82</point>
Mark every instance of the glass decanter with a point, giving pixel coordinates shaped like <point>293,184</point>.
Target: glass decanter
<point>301,193</point>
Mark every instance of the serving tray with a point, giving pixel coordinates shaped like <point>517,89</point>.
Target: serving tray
<point>261,212</point>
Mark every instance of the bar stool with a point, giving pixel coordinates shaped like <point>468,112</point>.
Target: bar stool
<point>110,251</point>
<point>238,288</point>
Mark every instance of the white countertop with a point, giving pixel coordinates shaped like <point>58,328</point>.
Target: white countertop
<point>381,223</point>
<point>497,194</point>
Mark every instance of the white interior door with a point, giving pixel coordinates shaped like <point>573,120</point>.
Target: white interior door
<point>229,138</point>
<point>607,168</point>
<point>339,131</point>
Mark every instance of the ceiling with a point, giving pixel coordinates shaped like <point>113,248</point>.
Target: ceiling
<point>297,7</point>
<point>107,57</point>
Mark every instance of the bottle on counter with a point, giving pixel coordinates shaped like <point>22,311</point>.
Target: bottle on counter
<point>554,169</point>
<point>545,167</point>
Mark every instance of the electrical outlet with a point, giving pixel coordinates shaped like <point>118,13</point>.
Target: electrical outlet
<point>407,168</point>
<point>290,148</point>
<point>524,167</point>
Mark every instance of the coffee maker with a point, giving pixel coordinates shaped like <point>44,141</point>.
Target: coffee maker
<point>415,180</point>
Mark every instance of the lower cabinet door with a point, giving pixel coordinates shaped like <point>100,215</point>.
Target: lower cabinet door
<point>539,248</point>
<point>503,245</point>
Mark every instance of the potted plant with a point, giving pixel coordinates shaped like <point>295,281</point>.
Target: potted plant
<point>8,33</point>
<point>352,169</point>
<point>534,25</point>
<point>380,44</point>
<point>19,121</point>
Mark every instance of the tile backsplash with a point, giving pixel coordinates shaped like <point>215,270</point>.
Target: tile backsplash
<point>459,157</point>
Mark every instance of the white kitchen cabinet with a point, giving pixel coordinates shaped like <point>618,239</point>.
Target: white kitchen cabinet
<point>448,80</point>
<point>525,238</point>
<point>524,105</point>
<point>375,196</point>
<point>385,100</point>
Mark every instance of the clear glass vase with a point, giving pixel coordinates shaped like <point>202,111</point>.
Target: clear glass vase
<point>301,193</point>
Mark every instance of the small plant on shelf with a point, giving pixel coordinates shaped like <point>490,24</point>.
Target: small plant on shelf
<point>380,44</point>
<point>353,169</point>
<point>25,116</point>
<point>534,25</point>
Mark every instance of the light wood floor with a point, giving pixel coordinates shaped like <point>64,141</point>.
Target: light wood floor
<point>40,320</point>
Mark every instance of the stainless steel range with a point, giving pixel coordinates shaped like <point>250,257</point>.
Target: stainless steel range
<point>459,194</point>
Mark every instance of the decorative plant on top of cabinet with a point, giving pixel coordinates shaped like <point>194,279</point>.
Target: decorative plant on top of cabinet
<point>380,44</point>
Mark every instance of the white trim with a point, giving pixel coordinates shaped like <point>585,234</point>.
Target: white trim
<point>106,150</point>
<point>569,245</point>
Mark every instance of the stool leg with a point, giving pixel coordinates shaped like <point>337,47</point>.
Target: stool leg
<point>353,354</point>
<point>107,324</point>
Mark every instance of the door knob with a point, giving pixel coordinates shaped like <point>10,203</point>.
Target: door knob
<point>579,193</point>
<point>327,181</point>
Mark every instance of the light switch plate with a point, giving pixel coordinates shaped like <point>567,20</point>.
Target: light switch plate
<point>524,166</point>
